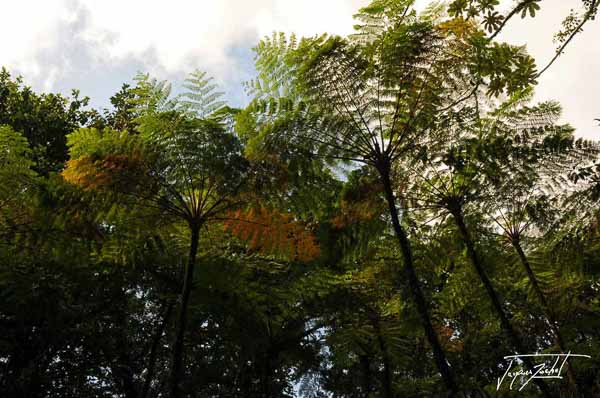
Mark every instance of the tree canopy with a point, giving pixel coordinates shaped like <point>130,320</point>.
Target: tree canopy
<point>391,215</point>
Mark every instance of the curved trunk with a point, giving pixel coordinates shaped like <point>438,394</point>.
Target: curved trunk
<point>415,289</point>
<point>188,279</point>
<point>504,322</point>
<point>559,341</point>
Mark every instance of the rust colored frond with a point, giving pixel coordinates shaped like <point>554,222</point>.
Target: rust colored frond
<point>272,232</point>
<point>450,341</point>
<point>356,212</point>
<point>91,174</point>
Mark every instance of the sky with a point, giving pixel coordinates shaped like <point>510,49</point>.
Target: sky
<point>96,46</point>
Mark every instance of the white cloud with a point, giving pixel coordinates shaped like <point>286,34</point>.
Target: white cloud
<point>181,33</point>
<point>181,30</point>
<point>62,43</point>
<point>25,29</point>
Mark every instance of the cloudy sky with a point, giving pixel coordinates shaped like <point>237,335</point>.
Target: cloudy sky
<point>96,46</point>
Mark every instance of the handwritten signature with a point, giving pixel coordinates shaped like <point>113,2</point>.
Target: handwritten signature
<point>540,371</point>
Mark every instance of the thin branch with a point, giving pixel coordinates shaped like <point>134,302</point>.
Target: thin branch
<point>589,14</point>
<point>514,12</point>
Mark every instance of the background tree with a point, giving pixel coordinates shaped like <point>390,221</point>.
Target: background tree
<point>44,119</point>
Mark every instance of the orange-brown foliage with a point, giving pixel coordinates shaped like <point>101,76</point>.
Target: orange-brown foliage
<point>90,173</point>
<point>448,340</point>
<point>273,232</point>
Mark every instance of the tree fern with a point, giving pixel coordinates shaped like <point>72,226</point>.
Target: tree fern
<point>200,97</point>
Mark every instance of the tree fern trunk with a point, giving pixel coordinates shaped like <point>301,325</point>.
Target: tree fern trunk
<point>504,322</point>
<point>365,364</point>
<point>559,341</point>
<point>123,371</point>
<point>154,350</point>
<point>387,371</point>
<point>415,289</point>
<point>188,279</point>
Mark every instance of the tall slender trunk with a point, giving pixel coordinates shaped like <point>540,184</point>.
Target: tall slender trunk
<point>504,322</point>
<point>126,377</point>
<point>267,374</point>
<point>365,364</point>
<point>415,289</point>
<point>154,350</point>
<point>387,371</point>
<point>559,341</point>
<point>123,372</point>
<point>188,279</point>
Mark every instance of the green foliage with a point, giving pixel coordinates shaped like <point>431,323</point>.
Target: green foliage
<point>176,162</point>
<point>200,97</point>
<point>487,9</point>
<point>15,154</point>
<point>44,119</point>
<point>251,252</point>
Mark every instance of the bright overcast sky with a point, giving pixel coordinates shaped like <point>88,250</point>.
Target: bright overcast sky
<point>96,45</point>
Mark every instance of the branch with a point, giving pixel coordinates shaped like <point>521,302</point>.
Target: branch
<point>589,14</point>
<point>514,12</point>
